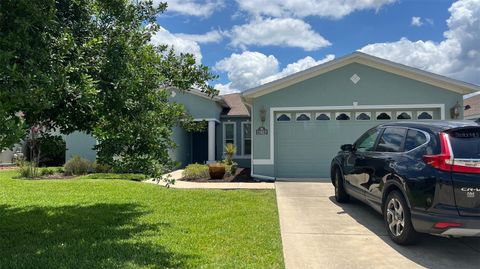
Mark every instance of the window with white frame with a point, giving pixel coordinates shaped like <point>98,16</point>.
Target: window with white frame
<point>246,138</point>
<point>228,133</point>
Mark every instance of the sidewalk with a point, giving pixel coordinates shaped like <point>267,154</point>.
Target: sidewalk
<point>179,184</point>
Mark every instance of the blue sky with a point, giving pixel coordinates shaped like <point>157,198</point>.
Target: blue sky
<point>250,42</point>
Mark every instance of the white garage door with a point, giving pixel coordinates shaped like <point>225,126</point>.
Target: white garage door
<point>306,141</point>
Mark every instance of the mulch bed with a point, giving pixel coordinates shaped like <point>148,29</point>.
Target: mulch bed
<point>241,175</point>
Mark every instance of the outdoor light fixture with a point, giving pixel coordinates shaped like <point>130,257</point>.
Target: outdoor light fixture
<point>263,114</point>
<point>455,111</point>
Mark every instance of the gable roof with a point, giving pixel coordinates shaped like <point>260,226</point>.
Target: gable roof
<point>368,60</point>
<point>236,107</point>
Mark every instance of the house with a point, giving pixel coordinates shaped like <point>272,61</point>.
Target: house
<point>300,121</point>
<point>472,108</point>
<point>228,121</point>
<point>290,129</point>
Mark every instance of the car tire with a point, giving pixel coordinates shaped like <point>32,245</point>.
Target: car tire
<point>398,221</point>
<point>341,195</point>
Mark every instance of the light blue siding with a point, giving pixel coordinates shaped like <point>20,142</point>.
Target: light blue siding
<point>376,87</point>
<point>78,143</point>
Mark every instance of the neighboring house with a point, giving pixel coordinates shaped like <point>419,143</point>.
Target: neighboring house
<point>300,121</point>
<point>472,108</point>
<point>227,122</point>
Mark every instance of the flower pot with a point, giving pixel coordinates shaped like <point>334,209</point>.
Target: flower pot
<point>216,170</point>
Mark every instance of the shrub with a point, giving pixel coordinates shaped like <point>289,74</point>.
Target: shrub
<point>27,169</point>
<point>230,150</point>
<point>101,168</point>
<point>78,166</point>
<point>231,169</point>
<point>47,171</point>
<point>196,171</point>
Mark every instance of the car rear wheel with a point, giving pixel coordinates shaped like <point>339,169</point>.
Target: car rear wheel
<point>396,214</point>
<point>340,194</point>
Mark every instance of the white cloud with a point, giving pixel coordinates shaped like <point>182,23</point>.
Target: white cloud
<point>251,69</point>
<point>457,56</point>
<point>197,8</point>
<point>277,32</point>
<point>246,70</point>
<point>209,37</point>
<point>416,21</point>
<point>180,45</point>
<point>297,66</point>
<point>305,8</point>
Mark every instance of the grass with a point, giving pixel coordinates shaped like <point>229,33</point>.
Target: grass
<point>109,223</point>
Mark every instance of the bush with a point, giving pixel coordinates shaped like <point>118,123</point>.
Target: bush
<point>196,171</point>
<point>231,169</point>
<point>101,168</point>
<point>27,169</point>
<point>47,171</point>
<point>78,166</point>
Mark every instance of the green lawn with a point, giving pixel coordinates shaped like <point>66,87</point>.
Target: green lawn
<point>105,223</point>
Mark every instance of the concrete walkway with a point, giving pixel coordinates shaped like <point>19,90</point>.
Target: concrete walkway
<point>179,184</point>
<point>319,233</point>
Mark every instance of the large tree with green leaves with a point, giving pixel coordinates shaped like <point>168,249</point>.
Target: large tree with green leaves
<point>89,65</point>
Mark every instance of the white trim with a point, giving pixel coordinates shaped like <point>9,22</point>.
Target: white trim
<point>211,141</point>
<point>273,110</point>
<point>209,119</point>
<point>243,138</point>
<point>368,60</point>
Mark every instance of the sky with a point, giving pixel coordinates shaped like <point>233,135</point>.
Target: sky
<point>251,42</point>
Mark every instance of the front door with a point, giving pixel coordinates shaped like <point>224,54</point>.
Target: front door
<point>199,147</point>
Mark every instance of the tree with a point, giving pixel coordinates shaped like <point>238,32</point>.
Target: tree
<point>89,65</point>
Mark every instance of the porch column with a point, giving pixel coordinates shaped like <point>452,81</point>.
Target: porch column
<point>211,140</point>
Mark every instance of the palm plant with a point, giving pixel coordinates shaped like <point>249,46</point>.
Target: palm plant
<point>230,150</point>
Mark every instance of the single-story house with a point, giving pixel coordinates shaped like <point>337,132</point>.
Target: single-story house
<point>300,121</point>
<point>472,108</point>
<point>290,129</point>
<point>228,121</point>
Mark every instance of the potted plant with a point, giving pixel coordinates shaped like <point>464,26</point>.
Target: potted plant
<point>230,150</point>
<point>216,170</point>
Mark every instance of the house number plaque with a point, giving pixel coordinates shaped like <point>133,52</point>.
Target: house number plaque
<point>262,131</point>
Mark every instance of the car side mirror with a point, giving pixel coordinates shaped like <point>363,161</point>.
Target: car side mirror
<point>347,147</point>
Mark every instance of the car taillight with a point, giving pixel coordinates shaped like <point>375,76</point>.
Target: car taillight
<point>446,162</point>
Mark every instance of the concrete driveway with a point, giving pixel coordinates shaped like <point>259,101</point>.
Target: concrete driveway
<point>319,233</point>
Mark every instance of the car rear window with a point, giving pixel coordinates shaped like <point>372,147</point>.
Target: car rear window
<point>465,143</point>
<point>391,140</point>
<point>414,139</point>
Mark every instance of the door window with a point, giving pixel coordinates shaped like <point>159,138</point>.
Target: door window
<point>367,141</point>
<point>392,140</point>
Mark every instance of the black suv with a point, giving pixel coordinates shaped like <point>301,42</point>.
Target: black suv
<point>422,176</point>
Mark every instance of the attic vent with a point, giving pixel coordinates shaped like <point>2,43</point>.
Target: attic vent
<point>355,78</point>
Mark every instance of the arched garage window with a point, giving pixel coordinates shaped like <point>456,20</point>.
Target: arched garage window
<point>384,115</point>
<point>323,116</point>
<point>284,117</point>
<point>424,115</point>
<point>404,115</point>
<point>303,116</point>
<point>363,116</point>
<point>342,116</point>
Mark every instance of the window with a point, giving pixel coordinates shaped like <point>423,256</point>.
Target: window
<point>414,139</point>
<point>424,115</point>
<point>363,116</point>
<point>367,141</point>
<point>342,116</point>
<point>228,133</point>
<point>303,116</point>
<point>246,138</point>
<point>323,116</point>
<point>384,115</point>
<point>404,115</point>
<point>391,140</point>
<point>284,117</point>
